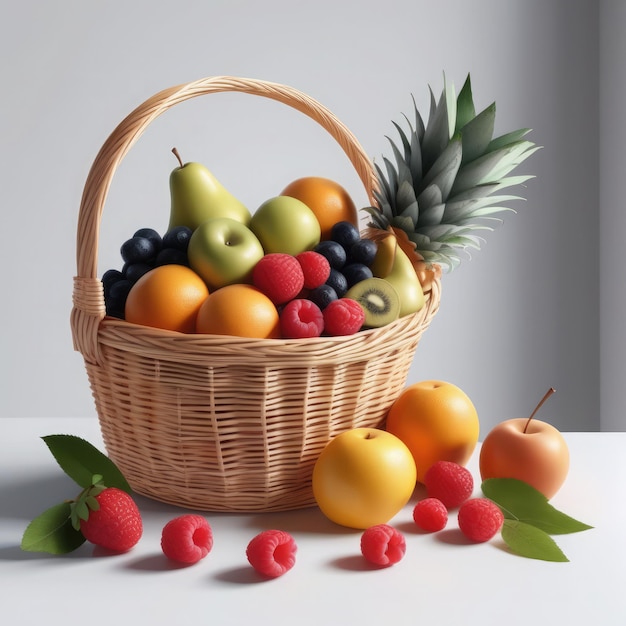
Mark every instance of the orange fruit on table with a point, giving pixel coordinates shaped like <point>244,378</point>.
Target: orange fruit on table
<point>330,202</point>
<point>241,310</point>
<point>437,421</point>
<point>168,297</point>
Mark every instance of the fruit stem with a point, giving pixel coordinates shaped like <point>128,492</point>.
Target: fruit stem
<point>545,397</point>
<point>177,155</point>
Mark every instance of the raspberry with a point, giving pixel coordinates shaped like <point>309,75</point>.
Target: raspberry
<point>279,276</point>
<point>272,553</point>
<point>480,519</point>
<point>116,524</point>
<point>449,482</point>
<point>343,317</point>
<point>383,545</point>
<point>187,538</point>
<point>301,319</point>
<point>430,514</point>
<point>315,267</point>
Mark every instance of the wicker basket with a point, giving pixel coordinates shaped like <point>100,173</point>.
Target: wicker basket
<point>224,423</point>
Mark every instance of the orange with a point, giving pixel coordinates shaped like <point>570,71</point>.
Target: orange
<point>437,421</point>
<point>169,297</point>
<point>241,310</point>
<point>327,199</point>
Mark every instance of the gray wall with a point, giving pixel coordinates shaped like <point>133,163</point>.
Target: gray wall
<point>522,315</point>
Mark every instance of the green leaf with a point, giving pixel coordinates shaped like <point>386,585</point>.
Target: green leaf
<point>478,133</point>
<point>81,461</point>
<point>52,532</point>
<point>521,502</point>
<point>465,110</point>
<point>531,542</point>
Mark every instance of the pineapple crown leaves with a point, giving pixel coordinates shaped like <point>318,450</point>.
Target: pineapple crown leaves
<point>445,179</point>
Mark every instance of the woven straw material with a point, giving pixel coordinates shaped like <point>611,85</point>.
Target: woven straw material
<point>224,423</point>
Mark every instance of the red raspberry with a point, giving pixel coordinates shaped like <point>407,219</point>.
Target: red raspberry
<point>272,553</point>
<point>116,524</point>
<point>383,545</point>
<point>300,319</point>
<point>343,317</point>
<point>480,519</point>
<point>430,514</point>
<point>315,267</point>
<point>279,276</point>
<point>449,482</point>
<point>187,538</point>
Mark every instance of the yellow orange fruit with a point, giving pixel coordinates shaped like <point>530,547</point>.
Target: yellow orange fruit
<point>437,421</point>
<point>168,297</point>
<point>240,310</point>
<point>330,202</point>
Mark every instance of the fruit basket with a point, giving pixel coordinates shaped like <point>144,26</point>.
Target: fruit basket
<point>223,423</point>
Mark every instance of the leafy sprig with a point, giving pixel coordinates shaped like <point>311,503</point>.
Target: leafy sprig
<point>57,529</point>
<point>529,519</point>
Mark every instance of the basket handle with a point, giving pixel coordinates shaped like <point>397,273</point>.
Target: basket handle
<point>88,298</point>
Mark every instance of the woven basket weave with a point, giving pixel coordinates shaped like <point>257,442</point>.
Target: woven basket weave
<point>224,423</point>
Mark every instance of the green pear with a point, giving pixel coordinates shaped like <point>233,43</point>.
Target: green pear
<point>198,196</point>
<point>393,264</point>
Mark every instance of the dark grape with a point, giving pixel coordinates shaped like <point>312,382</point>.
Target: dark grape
<point>109,278</point>
<point>333,251</point>
<point>172,256</point>
<point>345,233</point>
<point>138,250</point>
<point>363,251</point>
<point>152,235</point>
<point>134,271</point>
<point>338,282</point>
<point>355,273</point>
<point>177,238</point>
<point>323,296</point>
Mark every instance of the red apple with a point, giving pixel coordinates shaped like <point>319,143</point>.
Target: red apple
<point>526,449</point>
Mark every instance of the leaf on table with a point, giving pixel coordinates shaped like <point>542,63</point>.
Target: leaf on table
<point>81,461</point>
<point>531,542</point>
<point>52,532</point>
<point>520,501</point>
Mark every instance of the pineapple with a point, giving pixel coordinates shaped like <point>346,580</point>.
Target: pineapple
<point>447,178</point>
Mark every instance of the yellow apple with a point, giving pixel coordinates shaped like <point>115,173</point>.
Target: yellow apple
<point>363,477</point>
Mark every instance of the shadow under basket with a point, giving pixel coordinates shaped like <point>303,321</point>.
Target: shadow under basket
<point>221,423</point>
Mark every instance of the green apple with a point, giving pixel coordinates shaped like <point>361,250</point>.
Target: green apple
<point>197,196</point>
<point>224,251</point>
<point>287,225</point>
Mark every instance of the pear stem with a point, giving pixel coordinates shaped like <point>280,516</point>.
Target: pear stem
<point>177,155</point>
<point>545,397</point>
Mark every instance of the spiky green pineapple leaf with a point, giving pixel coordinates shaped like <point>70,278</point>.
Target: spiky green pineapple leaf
<point>445,169</point>
<point>478,133</point>
<point>519,153</point>
<point>508,138</point>
<point>431,196</point>
<point>437,133</point>
<point>432,215</point>
<point>476,207</point>
<point>465,110</point>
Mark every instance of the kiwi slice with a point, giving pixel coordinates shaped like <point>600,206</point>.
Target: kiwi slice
<point>379,300</point>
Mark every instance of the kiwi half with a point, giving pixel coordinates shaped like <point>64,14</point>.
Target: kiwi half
<point>379,300</point>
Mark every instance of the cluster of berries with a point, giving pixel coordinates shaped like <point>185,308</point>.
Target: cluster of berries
<point>450,486</point>
<point>114,523</point>
<point>288,281</point>
<point>144,251</point>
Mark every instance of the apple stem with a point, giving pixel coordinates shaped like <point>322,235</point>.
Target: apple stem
<point>545,397</point>
<point>177,155</point>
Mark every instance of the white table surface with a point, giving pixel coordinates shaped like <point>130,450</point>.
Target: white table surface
<point>441,580</point>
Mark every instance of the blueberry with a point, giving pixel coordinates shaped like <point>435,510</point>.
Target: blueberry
<point>152,235</point>
<point>134,271</point>
<point>138,250</point>
<point>172,256</point>
<point>333,251</point>
<point>177,238</point>
<point>109,278</point>
<point>345,233</point>
<point>363,251</point>
<point>356,272</point>
<point>323,296</point>
<point>338,282</point>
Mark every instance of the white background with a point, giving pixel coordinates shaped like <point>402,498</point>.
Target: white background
<point>540,305</point>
